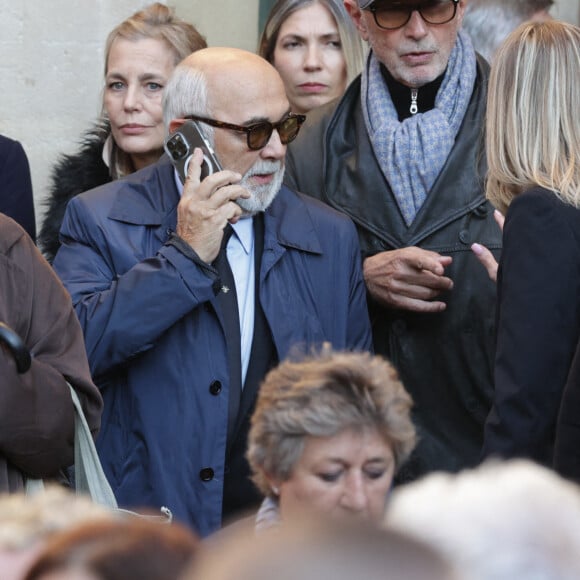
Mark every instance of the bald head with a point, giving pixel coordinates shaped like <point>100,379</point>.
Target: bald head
<point>227,60</point>
<point>236,94</point>
<point>216,80</point>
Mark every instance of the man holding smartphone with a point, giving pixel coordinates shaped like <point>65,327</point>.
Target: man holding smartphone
<point>177,342</point>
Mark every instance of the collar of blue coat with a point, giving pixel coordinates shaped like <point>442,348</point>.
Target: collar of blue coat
<point>150,197</point>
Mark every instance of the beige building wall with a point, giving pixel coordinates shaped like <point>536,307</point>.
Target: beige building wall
<point>52,64</point>
<point>51,68</point>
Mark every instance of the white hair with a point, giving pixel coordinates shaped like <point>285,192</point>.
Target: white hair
<point>186,93</point>
<point>501,521</point>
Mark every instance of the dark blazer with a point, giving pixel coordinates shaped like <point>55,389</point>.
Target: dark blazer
<point>567,448</point>
<point>538,324</point>
<point>16,199</point>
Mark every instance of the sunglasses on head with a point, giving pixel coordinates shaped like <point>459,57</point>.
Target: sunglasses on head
<point>258,134</point>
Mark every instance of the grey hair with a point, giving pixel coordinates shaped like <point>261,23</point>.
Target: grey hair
<point>489,22</point>
<point>29,519</point>
<point>321,396</point>
<point>500,521</point>
<point>352,47</point>
<point>187,93</point>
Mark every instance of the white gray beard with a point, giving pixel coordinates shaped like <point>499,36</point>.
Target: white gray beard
<point>261,195</point>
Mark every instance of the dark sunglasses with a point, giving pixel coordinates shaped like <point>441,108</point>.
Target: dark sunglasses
<point>258,134</point>
<point>394,15</point>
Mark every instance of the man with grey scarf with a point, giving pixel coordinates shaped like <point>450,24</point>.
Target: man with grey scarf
<point>401,154</point>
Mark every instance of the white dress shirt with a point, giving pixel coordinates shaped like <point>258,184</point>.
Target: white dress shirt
<point>240,253</point>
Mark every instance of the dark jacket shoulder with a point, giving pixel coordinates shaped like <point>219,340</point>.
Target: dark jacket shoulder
<point>73,174</point>
<point>537,196</point>
<point>142,197</point>
<point>10,234</point>
<point>16,199</point>
<point>567,447</point>
<point>546,210</point>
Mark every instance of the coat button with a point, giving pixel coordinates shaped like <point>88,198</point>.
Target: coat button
<point>206,474</point>
<point>464,237</point>
<point>481,211</point>
<point>215,388</point>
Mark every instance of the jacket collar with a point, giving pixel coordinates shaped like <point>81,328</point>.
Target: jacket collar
<point>147,196</point>
<point>288,223</point>
<point>150,197</point>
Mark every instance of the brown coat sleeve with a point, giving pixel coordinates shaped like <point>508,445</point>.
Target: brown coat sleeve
<point>36,411</point>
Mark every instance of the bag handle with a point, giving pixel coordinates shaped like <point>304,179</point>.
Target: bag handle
<point>90,479</point>
<point>17,347</point>
<point>89,475</point>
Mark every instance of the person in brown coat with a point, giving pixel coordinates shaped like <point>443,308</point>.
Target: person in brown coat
<point>36,409</point>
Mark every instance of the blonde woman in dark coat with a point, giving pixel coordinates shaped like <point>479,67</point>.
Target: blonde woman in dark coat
<point>533,132</point>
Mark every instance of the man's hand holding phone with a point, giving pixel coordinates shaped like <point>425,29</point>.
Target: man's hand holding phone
<point>207,206</point>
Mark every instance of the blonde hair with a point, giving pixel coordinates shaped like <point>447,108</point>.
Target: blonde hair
<point>533,128</point>
<point>158,22</point>
<point>27,519</point>
<point>322,396</point>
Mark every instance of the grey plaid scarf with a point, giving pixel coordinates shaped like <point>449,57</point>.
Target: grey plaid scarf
<point>412,153</point>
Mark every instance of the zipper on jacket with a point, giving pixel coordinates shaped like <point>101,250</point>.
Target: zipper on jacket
<point>413,109</point>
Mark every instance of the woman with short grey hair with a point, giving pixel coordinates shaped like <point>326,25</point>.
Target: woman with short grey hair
<point>328,434</point>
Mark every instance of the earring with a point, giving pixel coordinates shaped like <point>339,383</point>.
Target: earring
<point>275,490</point>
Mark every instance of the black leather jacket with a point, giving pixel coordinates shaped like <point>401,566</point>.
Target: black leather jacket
<point>445,360</point>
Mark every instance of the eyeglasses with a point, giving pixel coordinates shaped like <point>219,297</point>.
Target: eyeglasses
<point>394,15</point>
<point>258,134</point>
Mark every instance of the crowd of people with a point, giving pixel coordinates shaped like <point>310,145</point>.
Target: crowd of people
<point>352,349</point>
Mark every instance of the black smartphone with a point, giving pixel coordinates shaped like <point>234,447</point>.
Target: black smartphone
<point>180,146</point>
